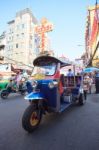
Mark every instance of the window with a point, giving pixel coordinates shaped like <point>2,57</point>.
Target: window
<point>22,34</point>
<point>22,45</point>
<point>16,45</point>
<point>9,48</point>
<point>9,31</point>
<point>30,46</point>
<point>18,27</point>
<point>9,38</point>
<point>17,36</point>
<point>31,37</point>
<point>23,26</point>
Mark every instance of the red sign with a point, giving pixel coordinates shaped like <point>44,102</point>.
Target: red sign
<point>41,30</point>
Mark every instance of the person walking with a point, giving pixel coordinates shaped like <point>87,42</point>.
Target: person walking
<point>18,79</point>
<point>86,85</point>
<point>90,83</point>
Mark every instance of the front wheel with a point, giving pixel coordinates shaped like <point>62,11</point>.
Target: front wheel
<point>31,118</point>
<point>4,94</point>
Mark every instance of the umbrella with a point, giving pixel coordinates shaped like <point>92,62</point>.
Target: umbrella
<point>91,69</point>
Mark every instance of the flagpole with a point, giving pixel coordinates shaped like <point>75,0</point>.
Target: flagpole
<point>97,13</point>
<point>96,2</point>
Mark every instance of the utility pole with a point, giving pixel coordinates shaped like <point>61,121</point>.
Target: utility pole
<point>96,2</point>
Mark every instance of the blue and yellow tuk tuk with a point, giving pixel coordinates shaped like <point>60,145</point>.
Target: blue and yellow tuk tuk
<point>52,92</point>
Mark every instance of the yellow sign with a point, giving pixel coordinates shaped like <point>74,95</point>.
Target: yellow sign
<point>95,63</point>
<point>38,76</point>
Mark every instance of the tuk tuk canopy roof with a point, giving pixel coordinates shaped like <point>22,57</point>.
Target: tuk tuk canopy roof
<point>41,60</point>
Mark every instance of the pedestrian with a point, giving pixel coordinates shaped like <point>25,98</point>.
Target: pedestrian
<point>86,85</point>
<point>10,86</point>
<point>90,84</point>
<point>18,79</point>
<point>70,73</point>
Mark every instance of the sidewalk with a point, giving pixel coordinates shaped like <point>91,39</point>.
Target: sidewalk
<point>93,96</point>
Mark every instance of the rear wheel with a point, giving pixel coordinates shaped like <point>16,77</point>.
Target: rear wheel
<point>31,118</point>
<point>4,94</point>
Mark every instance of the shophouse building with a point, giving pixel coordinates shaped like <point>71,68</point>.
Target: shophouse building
<point>92,36</point>
<point>21,47</point>
<point>2,47</point>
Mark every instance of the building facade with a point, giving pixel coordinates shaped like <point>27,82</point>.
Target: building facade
<point>92,37</point>
<point>20,37</point>
<point>2,46</point>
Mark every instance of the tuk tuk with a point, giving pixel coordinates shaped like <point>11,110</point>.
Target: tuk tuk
<point>3,82</point>
<point>5,73</point>
<point>52,92</point>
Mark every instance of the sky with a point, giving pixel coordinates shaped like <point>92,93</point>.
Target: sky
<point>67,16</point>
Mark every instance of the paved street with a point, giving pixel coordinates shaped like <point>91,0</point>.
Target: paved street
<point>75,129</point>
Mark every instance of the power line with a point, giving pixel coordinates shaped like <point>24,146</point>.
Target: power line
<point>18,62</point>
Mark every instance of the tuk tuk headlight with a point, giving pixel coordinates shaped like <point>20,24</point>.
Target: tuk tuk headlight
<point>52,84</point>
<point>34,84</point>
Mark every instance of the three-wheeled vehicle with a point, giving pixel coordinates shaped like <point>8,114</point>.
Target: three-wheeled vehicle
<point>51,93</point>
<point>8,90</point>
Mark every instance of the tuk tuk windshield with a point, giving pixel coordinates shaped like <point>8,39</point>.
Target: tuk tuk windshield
<point>47,70</point>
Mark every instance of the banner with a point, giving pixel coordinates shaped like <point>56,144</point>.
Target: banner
<point>95,27</point>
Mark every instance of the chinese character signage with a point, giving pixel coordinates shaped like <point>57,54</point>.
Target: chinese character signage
<point>41,30</point>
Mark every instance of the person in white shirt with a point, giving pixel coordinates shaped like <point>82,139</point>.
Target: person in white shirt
<point>18,79</point>
<point>86,85</point>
